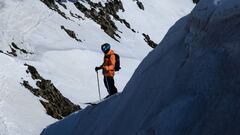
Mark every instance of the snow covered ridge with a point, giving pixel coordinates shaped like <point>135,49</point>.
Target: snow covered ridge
<point>188,85</point>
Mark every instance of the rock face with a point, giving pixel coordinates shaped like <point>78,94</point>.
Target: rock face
<point>53,101</point>
<point>149,41</point>
<point>196,1</point>
<point>52,5</point>
<point>140,4</point>
<point>101,14</point>
<point>71,34</point>
<point>188,85</point>
<point>15,50</point>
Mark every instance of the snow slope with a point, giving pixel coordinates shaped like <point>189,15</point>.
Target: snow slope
<point>21,112</point>
<point>68,63</point>
<point>188,85</point>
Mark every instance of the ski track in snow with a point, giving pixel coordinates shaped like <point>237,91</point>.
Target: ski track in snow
<point>3,93</point>
<point>3,127</point>
<point>4,69</point>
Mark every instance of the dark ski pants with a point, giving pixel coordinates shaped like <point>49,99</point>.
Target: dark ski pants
<point>109,84</point>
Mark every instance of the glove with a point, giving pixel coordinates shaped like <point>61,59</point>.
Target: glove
<point>97,68</point>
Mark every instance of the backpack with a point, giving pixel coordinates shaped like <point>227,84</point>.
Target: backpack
<point>117,64</point>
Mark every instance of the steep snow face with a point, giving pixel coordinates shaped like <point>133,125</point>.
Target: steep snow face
<point>188,85</point>
<point>69,64</point>
<point>21,112</point>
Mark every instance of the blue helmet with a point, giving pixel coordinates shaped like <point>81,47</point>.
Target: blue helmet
<point>105,47</point>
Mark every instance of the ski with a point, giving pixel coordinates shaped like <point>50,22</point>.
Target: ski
<point>91,103</point>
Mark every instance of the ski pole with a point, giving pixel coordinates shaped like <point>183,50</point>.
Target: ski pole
<point>98,87</point>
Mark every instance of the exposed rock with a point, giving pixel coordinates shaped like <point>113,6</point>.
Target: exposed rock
<point>76,16</point>
<point>101,14</point>
<point>140,5</point>
<point>196,1</point>
<point>149,41</point>
<point>6,53</point>
<point>63,5</point>
<point>21,50</point>
<point>71,34</point>
<point>54,102</point>
<point>52,5</point>
<point>100,17</point>
<point>14,49</point>
<point>13,52</point>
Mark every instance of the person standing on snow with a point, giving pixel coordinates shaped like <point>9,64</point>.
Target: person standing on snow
<point>108,68</point>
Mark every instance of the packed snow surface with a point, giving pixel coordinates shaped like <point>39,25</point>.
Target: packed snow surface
<point>188,85</point>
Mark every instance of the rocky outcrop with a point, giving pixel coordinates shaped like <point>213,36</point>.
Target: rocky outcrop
<point>71,34</point>
<point>140,4</point>
<point>76,16</point>
<point>196,1</point>
<point>149,41</point>
<point>102,15</point>
<point>13,52</point>
<point>53,101</point>
<point>14,49</point>
<point>53,6</point>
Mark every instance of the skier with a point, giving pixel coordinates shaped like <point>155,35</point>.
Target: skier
<point>108,68</point>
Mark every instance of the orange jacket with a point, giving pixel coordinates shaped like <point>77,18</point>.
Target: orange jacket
<point>108,65</point>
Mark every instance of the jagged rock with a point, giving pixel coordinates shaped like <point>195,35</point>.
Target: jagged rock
<point>140,5</point>
<point>34,73</point>
<point>63,5</point>
<point>76,16</point>
<point>100,17</point>
<point>21,50</point>
<point>52,5</point>
<point>14,49</point>
<point>149,41</point>
<point>71,33</point>
<point>196,1</point>
<point>49,3</point>
<point>101,14</point>
<point>54,102</point>
<point>13,52</point>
